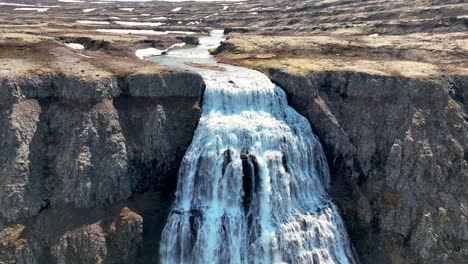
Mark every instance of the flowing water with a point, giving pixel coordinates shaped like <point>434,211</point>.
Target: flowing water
<point>252,185</point>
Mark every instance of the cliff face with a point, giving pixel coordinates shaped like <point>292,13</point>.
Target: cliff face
<point>85,162</point>
<point>397,149</point>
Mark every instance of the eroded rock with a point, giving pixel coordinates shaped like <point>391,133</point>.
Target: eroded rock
<point>83,245</point>
<point>397,152</point>
<point>126,237</point>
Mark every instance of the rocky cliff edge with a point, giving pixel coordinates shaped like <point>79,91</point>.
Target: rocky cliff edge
<point>88,161</point>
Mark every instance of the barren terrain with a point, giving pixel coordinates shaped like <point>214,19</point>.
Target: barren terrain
<point>91,136</point>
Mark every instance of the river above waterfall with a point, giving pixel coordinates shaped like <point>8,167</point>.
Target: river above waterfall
<point>252,185</point>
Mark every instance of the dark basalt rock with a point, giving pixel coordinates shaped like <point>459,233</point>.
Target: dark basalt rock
<point>396,148</point>
<point>68,144</point>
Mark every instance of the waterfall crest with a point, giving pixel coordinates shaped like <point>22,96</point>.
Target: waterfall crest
<point>252,185</point>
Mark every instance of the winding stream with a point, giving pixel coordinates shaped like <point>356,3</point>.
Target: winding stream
<point>252,185</point>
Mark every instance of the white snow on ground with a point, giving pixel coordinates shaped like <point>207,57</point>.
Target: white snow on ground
<point>71,1</point>
<point>145,15</point>
<point>132,31</point>
<point>134,18</point>
<point>177,9</point>
<point>193,23</point>
<point>374,35</point>
<point>128,9</point>
<point>158,18</point>
<point>114,17</point>
<point>40,10</point>
<point>181,32</point>
<point>225,7</point>
<point>215,14</point>
<point>87,10</point>
<point>76,46</point>
<point>92,22</point>
<point>254,13</point>
<point>178,45</point>
<point>142,53</point>
<point>131,23</point>
<point>143,32</point>
<point>14,4</point>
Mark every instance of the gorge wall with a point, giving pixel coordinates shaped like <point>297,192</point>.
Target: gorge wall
<point>397,150</point>
<point>85,162</point>
<point>88,166</point>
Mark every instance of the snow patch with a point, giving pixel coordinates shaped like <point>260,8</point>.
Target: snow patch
<point>14,4</point>
<point>178,45</point>
<point>91,22</point>
<point>37,9</point>
<point>87,10</point>
<point>128,9</point>
<point>76,46</point>
<point>142,53</point>
<point>181,32</point>
<point>132,23</point>
<point>215,14</point>
<point>158,18</point>
<point>143,32</point>
<point>177,9</point>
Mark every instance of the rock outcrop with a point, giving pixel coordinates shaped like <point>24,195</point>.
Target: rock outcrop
<point>397,149</point>
<point>83,245</point>
<point>74,152</point>
<point>126,237</point>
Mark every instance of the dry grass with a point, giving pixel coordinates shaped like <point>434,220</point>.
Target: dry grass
<point>414,55</point>
<point>11,236</point>
<point>32,56</point>
<point>127,215</point>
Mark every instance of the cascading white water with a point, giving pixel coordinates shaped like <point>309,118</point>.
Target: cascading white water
<point>251,187</point>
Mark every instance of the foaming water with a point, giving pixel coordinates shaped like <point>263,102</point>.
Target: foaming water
<point>251,187</point>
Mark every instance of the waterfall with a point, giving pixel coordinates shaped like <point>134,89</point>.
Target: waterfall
<point>252,185</point>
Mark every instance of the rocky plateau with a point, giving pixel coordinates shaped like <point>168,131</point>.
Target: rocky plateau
<point>91,139</point>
